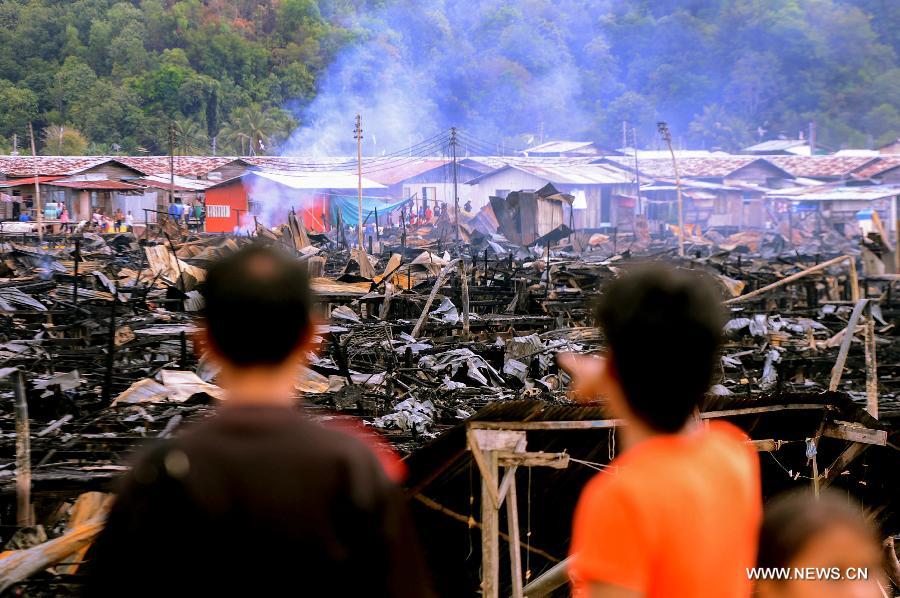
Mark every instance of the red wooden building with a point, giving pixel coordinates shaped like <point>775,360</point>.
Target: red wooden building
<point>269,195</point>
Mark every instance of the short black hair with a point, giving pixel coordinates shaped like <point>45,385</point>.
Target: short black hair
<point>663,327</point>
<point>794,518</point>
<point>258,304</point>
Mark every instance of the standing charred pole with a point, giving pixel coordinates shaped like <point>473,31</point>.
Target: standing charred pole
<point>23,454</point>
<point>357,134</point>
<point>667,137</point>
<point>37,189</point>
<point>453,143</point>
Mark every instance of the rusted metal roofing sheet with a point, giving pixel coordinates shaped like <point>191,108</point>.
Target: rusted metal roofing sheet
<point>820,166</point>
<point>878,166</point>
<point>389,174</point>
<point>99,185</point>
<point>27,181</point>
<point>706,167</point>
<point>186,166</point>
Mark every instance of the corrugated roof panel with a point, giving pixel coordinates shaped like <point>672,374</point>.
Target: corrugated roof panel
<point>317,180</point>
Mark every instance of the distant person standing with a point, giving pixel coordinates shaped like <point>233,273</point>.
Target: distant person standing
<point>129,221</point>
<point>119,218</point>
<point>176,211</point>
<point>64,219</point>
<point>259,500</point>
<point>198,215</point>
<point>678,511</point>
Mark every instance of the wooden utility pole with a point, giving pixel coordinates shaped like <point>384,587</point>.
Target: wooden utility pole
<point>455,182</point>
<point>667,137</point>
<point>171,163</point>
<point>637,172</point>
<point>37,189</point>
<point>357,134</point>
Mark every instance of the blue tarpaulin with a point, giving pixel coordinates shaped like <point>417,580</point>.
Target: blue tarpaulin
<point>348,205</point>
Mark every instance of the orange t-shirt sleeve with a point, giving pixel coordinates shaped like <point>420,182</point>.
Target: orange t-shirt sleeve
<point>610,542</point>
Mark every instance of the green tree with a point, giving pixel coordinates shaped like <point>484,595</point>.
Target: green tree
<point>63,140</point>
<point>253,129</point>
<point>20,107</point>
<point>719,129</point>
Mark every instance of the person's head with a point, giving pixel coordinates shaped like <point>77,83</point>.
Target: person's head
<point>830,534</point>
<point>257,313</point>
<point>663,329</point>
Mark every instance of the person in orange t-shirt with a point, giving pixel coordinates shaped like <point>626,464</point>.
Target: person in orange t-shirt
<point>677,514</point>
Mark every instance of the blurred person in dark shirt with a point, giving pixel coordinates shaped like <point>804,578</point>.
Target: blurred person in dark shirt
<point>258,500</point>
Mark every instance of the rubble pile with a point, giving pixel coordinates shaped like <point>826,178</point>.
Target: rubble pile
<point>413,339</point>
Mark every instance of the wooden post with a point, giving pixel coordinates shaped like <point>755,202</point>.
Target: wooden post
<point>23,455</point>
<point>490,533</point>
<point>515,552</point>
<point>437,285</point>
<point>854,281</point>
<point>492,449</point>
<point>871,364</point>
<point>37,189</point>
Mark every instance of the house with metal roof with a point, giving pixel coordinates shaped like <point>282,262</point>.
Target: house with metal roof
<point>270,195</point>
<point>558,149</point>
<point>603,194</point>
<point>83,184</point>
<point>782,147</point>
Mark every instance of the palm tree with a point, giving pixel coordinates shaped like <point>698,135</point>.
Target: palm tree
<point>250,128</point>
<point>189,137</point>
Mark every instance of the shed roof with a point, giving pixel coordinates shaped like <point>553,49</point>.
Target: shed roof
<point>307,180</point>
<point>837,193</point>
<point>563,147</point>
<point>567,174</point>
<point>777,145</point>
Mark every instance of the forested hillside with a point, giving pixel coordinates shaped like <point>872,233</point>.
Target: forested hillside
<point>100,76</point>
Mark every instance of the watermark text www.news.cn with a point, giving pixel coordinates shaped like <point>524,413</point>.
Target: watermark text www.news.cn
<point>800,573</point>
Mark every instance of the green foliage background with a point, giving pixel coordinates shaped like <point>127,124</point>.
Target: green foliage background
<point>244,71</point>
